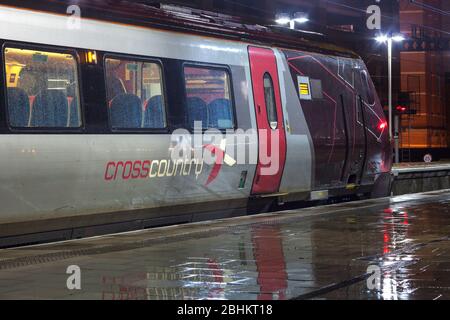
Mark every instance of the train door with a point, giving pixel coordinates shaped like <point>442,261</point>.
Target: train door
<point>356,139</point>
<point>353,104</point>
<point>269,119</point>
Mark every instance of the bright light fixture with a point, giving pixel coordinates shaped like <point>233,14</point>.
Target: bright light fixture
<point>398,37</point>
<point>282,18</point>
<point>285,18</point>
<point>301,20</point>
<point>382,38</point>
<point>300,17</point>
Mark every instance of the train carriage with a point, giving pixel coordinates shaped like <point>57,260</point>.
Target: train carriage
<point>88,115</point>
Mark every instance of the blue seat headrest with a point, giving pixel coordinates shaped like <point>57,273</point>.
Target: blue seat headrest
<point>74,118</point>
<point>18,107</point>
<point>197,111</point>
<point>126,112</point>
<point>220,114</point>
<point>154,113</point>
<point>50,109</point>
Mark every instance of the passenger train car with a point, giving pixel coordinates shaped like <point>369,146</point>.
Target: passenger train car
<point>88,111</point>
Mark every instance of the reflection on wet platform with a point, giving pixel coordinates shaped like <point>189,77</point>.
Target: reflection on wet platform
<point>315,253</point>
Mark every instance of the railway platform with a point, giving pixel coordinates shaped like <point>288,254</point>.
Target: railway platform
<point>408,167</point>
<point>391,248</point>
<point>420,177</point>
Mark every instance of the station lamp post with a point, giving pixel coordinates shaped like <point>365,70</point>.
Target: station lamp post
<point>389,39</point>
<point>286,18</point>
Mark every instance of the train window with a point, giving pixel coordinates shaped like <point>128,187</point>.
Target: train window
<point>269,95</point>
<point>346,71</point>
<point>135,94</point>
<point>316,88</point>
<point>208,97</point>
<point>367,88</point>
<point>42,89</point>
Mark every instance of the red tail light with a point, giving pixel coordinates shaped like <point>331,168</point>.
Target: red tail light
<point>382,125</point>
<point>401,109</point>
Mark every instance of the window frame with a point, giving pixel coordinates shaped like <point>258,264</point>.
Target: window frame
<point>274,102</point>
<point>137,58</point>
<point>209,66</point>
<point>50,49</point>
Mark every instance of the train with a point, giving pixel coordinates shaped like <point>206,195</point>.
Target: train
<point>92,107</point>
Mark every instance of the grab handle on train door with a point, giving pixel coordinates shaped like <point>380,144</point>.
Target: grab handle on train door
<point>259,108</point>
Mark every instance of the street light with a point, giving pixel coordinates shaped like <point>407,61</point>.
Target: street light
<point>282,18</point>
<point>389,38</point>
<point>286,18</point>
<point>300,17</point>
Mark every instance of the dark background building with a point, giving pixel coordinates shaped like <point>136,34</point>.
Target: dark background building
<point>425,69</point>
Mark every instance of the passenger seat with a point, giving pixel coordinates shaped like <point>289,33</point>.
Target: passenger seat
<point>74,117</point>
<point>197,111</point>
<point>220,115</point>
<point>126,112</point>
<point>50,109</point>
<point>154,113</point>
<point>18,107</point>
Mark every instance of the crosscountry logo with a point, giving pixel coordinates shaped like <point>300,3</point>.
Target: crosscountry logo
<point>221,157</point>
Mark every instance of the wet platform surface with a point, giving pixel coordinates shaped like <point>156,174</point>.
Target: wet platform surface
<point>314,253</point>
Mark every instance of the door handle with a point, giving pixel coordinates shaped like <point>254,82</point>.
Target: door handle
<point>259,108</point>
